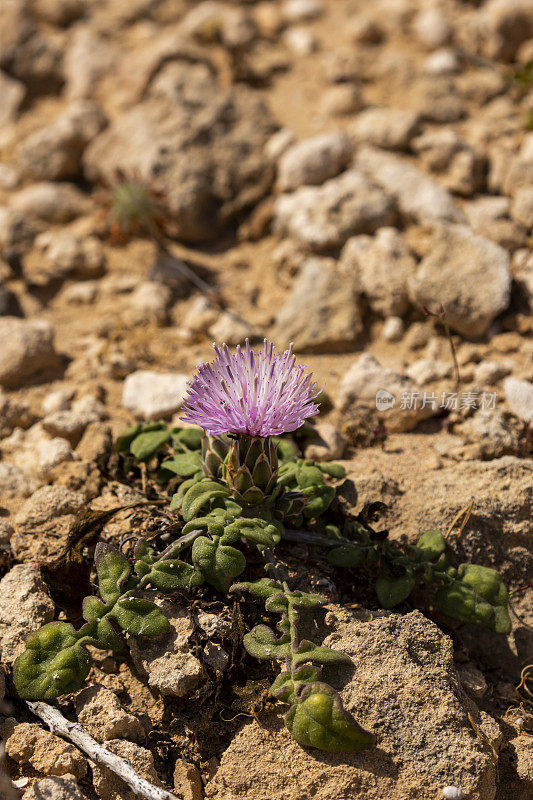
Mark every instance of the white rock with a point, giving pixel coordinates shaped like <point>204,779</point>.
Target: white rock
<point>390,128</point>
<point>56,401</point>
<point>330,444</point>
<point>301,41</point>
<point>442,62</point>
<point>393,329</point>
<point>13,481</point>
<point>12,93</point>
<point>432,28</point>
<point>366,377</point>
<point>80,293</point>
<point>322,312</point>
<point>52,202</point>
<point>25,606</point>
<point>149,302</point>
<point>67,254</point>
<point>487,373</point>
<point>381,267</point>
<point>154,395</point>
<point>519,396</point>
<point>326,216</point>
<point>341,100</point>
<point>54,152</point>
<point>313,161</point>
<point>278,143</point>
<point>426,370</point>
<point>419,197</point>
<point>27,349</point>
<point>230,330</point>
<point>9,177</point>
<point>300,10</point>
<point>53,453</point>
<point>522,206</point>
<point>468,274</point>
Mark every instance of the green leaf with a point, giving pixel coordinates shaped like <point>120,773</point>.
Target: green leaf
<point>319,720</point>
<point>113,569</point>
<point>430,546</point>
<point>308,651</point>
<point>263,588</point>
<point>262,642</point>
<point>140,617</point>
<point>478,595</point>
<point>287,450</point>
<point>147,443</point>
<point>199,495</point>
<point>347,555</point>
<point>52,664</point>
<point>335,470</point>
<point>307,599</point>
<point>174,575</point>
<point>391,591</point>
<point>125,439</point>
<point>190,437</point>
<point>319,500</point>
<point>218,563</point>
<point>184,464</point>
<point>309,476</point>
<point>144,557</point>
<point>256,531</point>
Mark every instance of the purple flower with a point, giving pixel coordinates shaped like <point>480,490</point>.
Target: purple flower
<point>259,395</point>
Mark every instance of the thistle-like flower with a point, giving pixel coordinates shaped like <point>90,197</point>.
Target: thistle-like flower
<point>251,398</point>
<point>258,395</point>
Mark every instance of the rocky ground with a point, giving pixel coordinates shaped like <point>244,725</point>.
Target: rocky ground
<point>329,168</point>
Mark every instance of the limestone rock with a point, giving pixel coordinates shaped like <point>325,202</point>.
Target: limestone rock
<point>167,662</point>
<point>381,267</point>
<point>51,202</point>
<point>390,128</point>
<point>188,781</point>
<point>230,330</point>
<point>71,423</point>
<point>326,216</point>
<point>204,144</point>
<point>154,395</point>
<point>61,254</point>
<point>313,161</point>
<point>457,265</point>
<point>418,196</point>
<point>12,93</point>
<point>101,714</point>
<point>329,444</point>
<point>54,789</point>
<point>48,754</point>
<point>42,524</point>
<point>108,786</point>
<point>488,435</point>
<point>519,396</point>
<point>406,690</point>
<point>148,303</point>
<point>366,378</point>
<point>25,606</point>
<point>322,312</point>
<point>27,350</point>
<point>13,481</point>
<point>54,152</point>
<point>509,23</point>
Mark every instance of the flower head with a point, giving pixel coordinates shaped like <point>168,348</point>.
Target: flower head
<point>259,395</point>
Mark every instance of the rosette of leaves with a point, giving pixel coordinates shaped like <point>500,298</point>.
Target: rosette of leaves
<point>470,593</point>
<point>316,715</point>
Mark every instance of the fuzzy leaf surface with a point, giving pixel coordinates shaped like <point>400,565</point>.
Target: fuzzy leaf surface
<point>218,563</point>
<point>319,720</point>
<point>52,664</point>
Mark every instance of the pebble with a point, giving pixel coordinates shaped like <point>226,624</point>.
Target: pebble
<point>27,350</point>
<point>519,396</point>
<point>393,329</point>
<point>389,128</point>
<point>154,395</point>
<point>25,605</point>
<point>313,161</point>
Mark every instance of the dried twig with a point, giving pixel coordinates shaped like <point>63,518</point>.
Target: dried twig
<point>76,734</point>
<point>465,513</point>
<point>441,314</point>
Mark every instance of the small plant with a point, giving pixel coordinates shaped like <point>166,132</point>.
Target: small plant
<point>240,485</point>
